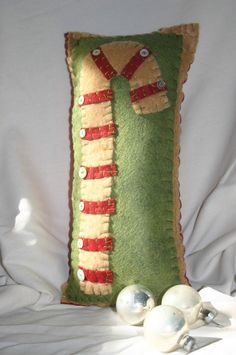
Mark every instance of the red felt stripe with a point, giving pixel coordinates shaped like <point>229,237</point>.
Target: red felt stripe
<point>130,68</point>
<point>99,207</point>
<point>102,171</point>
<point>101,276</point>
<point>97,97</point>
<point>103,64</point>
<point>145,91</point>
<point>105,131</point>
<point>97,244</point>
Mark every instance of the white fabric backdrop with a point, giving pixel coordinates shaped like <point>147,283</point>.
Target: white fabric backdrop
<point>35,145</point>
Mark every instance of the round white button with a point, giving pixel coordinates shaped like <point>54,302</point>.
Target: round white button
<point>82,133</point>
<point>161,84</point>
<point>81,206</point>
<point>144,52</point>
<point>81,100</point>
<point>82,172</point>
<point>80,275</point>
<point>96,51</point>
<point>80,243</point>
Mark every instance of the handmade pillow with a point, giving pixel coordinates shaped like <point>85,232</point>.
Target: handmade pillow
<point>127,92</point>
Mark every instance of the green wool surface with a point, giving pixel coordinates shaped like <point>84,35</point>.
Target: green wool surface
<point>142,227</point>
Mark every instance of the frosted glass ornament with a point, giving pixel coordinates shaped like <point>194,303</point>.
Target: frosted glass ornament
<point>166,329</point>
<point>185,298</point>
<point>133,303</point>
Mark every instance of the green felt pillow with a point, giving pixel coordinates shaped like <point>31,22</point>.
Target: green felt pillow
<point>127,92</point>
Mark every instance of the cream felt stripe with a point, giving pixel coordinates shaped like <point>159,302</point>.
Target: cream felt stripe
<point>101,236</point>
<point>96,115</point>
<point>97,189</point>
<point>94,225</point>
<point>95,260</point>
<point>98,289</point>
<point>119,53</point>
<point>97,152</point>
<point>96,81</point>
<point>157,102</point>
<point>146,73</point>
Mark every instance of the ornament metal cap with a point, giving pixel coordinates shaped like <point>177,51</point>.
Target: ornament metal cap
<point>212,317</point>
<point>198,343</point>
<point>187,343</point>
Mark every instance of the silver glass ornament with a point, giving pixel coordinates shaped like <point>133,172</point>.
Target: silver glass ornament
<point>185,298</point>
<point>196,312</point>
<point>133,303</point>
<point>166,329</point>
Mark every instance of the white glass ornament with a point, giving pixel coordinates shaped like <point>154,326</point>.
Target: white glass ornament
<point>185,298</point>
<point>133,303</point>
<point>166,329</point>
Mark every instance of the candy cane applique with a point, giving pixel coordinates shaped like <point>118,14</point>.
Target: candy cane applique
<point>148,94</point>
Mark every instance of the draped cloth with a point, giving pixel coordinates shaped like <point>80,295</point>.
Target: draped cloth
<point>35,153</point>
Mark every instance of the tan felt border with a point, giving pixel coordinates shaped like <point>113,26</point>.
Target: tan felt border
<point>190,34</point>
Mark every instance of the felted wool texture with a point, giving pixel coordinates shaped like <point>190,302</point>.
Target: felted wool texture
<point>145,228</point>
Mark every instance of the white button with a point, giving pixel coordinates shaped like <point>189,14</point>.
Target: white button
<point>80,243</point>
<point>82,172</point>
<point>80,275</point>
<point>96,51</point>
<point>144,52</point>
<point>82,133</point>
<point>161,84</point>
<point>81,100</point>
<point>81,206</point>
